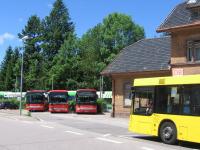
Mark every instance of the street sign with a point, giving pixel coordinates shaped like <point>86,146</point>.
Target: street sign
<point>177,71</point>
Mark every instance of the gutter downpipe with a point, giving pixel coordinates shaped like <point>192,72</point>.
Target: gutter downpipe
<point>113,99</point>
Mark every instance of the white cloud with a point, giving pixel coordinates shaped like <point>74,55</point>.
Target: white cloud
<point>6,36</point>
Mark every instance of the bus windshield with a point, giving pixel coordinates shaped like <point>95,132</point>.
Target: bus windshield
<point>86,97</point>
<point>57,97</point>
<point>35,98</point>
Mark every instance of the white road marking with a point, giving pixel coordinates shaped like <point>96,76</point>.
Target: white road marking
<point>27,122</point>
<point>109,140</point>
<point>105,135</point>
<point>77,133</point>
<point>47,126</point>
<point>147,148</point>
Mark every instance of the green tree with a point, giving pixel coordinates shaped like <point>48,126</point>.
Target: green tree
<point>7,71</point>
<point>57,27</point>
<point>119,31</point>
<point>64,65</point>
<point>100,45</point>
<point>16,69</point>
<point>33,58</point>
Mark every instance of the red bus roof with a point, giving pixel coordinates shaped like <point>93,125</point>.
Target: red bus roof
<point>58,91</point>
<point>92,90</point>
<point>35,91</point>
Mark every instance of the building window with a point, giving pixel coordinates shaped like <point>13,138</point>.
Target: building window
<point>189,54</point>
<point>127,94</point>
<point>197,51</point>
<point>193,51</point>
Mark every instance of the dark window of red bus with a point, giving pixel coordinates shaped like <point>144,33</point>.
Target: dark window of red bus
<point>58,97</point>
<point>86,97</point>
<point>35,98</point>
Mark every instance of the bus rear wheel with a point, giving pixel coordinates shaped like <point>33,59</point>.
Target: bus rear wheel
<point>168,133</point>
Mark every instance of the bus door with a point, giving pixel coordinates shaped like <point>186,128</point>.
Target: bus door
<point>190,113</point>
<point>143,105</point>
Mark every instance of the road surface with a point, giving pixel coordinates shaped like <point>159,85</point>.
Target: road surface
<point>75,132</point>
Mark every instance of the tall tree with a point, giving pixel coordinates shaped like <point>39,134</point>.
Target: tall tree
<point>57,27</point>
<point>16,69</point>
<point>32,52</point>
<point>7,71</point>
<point>65,65</point>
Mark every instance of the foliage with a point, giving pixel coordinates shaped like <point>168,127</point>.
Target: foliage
<point>32,53</point>
<point>9,67</point>
<point>100,105</point>
<point>54,55</point>
<point>100,45</point>
<point>64,65</point>
<point>56,28</point>
<point>72,105</point>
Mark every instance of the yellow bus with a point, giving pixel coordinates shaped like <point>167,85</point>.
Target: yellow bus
<point>167,107</point>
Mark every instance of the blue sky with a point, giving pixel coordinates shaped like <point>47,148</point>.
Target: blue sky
<point>84,13</point>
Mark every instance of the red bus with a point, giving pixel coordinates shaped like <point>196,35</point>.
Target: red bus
<point>86,101</point>
<point>36,100</point>
<point>58,101</point>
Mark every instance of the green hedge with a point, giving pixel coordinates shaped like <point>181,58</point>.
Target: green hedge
<point>72,105</point>
<point>100,105</point>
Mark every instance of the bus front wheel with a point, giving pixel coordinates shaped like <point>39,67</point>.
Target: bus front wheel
<point>168,133</point>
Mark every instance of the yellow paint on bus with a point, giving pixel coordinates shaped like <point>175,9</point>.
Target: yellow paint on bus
<point>176,80</point>
<point>187,126</point>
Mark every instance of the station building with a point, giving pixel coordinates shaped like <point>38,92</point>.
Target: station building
<point>176,54</point>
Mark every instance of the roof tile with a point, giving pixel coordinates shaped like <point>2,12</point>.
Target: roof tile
<point>144,55</point>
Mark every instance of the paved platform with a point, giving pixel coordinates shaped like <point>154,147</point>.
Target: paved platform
<point>104,118</point>
<point>15,114</point>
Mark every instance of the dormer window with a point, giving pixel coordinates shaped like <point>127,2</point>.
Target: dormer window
<point>193,51</point>
<point>195,13</point>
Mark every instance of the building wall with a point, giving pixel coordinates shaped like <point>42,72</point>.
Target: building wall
<point>179,50</point>
<point>118,80</point>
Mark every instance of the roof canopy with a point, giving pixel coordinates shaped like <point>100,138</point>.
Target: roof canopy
<point>181,17</point>
<point>144,55</point>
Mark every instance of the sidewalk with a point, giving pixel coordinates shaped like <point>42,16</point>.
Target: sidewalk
<point>15,114</point>
<point>97,118</point>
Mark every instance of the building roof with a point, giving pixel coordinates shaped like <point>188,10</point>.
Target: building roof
<point>193,3</point>
<point>181,16</point>
<point>144,55</point>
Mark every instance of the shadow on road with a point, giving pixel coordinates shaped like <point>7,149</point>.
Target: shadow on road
<point>180,143</point>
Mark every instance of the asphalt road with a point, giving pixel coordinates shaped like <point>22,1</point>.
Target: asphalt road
<point>72,132</point>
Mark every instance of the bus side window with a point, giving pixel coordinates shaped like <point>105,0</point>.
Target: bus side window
<point>143,101</point>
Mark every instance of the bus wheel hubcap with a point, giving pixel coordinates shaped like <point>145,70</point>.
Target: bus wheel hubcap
<point>167,133</point>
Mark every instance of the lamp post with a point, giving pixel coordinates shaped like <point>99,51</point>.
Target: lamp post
<point>52,87</point>
<point>21,84</point>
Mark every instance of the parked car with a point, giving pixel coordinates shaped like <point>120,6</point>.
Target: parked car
<point>8,105</point>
